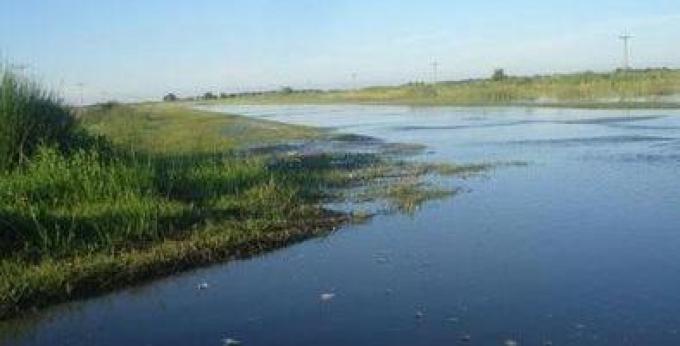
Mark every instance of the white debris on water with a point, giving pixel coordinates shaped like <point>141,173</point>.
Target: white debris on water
<point>381,258</point>
<point>327,296</point>
<point>511,342</point>
<point>202,286</point>
<point>231,342</point>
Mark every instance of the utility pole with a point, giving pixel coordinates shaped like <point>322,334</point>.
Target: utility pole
<point>435,67</point>
<point>626,50</point>
<point>80,90</point>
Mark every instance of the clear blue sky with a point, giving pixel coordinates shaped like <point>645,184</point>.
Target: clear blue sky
<point>127,49</point>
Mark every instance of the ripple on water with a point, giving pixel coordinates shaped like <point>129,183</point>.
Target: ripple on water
<point>600,140</point>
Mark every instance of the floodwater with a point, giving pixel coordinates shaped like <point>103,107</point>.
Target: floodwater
<point>579,247</point>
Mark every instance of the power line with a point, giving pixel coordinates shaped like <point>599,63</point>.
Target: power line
<point>80,90</point>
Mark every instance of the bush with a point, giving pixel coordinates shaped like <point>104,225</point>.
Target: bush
<point>30,117</point>
<point>499,75</point>
<point>286,90</point>
<point>209,96</point>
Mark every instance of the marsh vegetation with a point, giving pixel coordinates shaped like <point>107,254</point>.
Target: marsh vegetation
<point>101,197</point>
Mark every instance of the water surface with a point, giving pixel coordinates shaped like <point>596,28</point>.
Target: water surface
<point>580,247</point>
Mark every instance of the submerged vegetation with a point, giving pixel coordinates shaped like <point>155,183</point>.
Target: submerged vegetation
<point>107,196</point>
<point>622,88</point>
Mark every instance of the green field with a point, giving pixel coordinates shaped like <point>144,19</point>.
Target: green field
<point>107,196</point>
<point>654,88</point>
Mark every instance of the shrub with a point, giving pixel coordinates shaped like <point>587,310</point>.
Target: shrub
<point>209,96</point>
<point>286,90</point>
<point>499,75</point>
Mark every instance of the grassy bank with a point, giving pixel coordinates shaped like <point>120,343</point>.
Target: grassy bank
<point>113,195</point>
<point>165,128</point>
<point>656,88</point>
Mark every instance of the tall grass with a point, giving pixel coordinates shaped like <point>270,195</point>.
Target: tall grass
<point>59,206</point>
<point>30,117</point>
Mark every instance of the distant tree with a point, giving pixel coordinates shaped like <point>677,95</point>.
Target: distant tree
<point>209,96</point>
<point>499,75</point>
<point>286,90</point>
<point>170,97</point>
<point>109,105</point>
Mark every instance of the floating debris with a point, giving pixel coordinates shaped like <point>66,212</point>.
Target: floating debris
<point>382,260</point>
<point>453,320</point>
<point>511,342</point>
<point>202,286</point>
<point>254,319</point>
<point>381,257</point>
<point>420,315</point>
<point>231,342</point>
<point>327,296</point>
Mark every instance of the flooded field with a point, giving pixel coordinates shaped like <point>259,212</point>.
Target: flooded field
<point>579,247</point>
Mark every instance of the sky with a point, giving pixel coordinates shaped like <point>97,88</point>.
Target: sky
<point>131,50</point>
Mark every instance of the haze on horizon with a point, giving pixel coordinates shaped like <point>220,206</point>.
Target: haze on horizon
<point>135,50</point>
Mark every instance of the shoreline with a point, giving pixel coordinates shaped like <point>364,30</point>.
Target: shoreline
<point>197,231</point>
<point>621,89</point>
<point>291,193</point>
<point>97,275</point>
<point>528,105</point>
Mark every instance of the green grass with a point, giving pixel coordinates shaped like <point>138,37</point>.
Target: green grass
<point>168,128</point>
<point>655,88</point>
<point>78,225</point>
<point>123,194</point>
